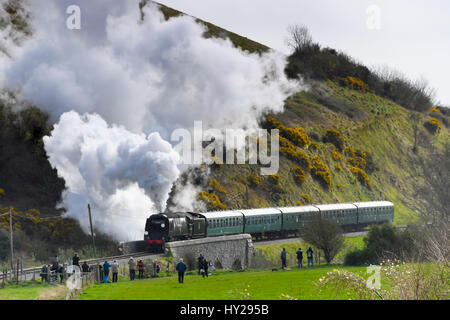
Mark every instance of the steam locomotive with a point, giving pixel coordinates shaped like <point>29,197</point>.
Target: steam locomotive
<point>261,223</point>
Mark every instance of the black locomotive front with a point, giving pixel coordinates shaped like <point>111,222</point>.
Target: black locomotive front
<point>156,231</point>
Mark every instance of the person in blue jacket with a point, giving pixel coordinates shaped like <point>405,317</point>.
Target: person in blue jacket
<point>106,266</point>
<point>181,268</point>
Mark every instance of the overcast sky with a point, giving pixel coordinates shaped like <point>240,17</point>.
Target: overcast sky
<point>413,35</point>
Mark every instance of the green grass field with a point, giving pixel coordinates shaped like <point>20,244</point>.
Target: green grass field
<point>31,291</point>
<point>225,285</point>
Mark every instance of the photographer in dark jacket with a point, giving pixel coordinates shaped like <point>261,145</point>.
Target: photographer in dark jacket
<point>181,268</point>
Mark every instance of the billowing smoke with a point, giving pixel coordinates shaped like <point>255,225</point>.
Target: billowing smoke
<point>139,78</point>
<point>122,174</point>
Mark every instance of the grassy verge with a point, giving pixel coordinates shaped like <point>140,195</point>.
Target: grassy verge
<point>271,252</point>
<point>32,291</point>
<point>226,285</point>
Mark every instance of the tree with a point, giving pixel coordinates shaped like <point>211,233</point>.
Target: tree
<point>299,37</point>
<point>4,244</point>
<point>415,120</point>
<point>436,220</point>
<point>325,234</point>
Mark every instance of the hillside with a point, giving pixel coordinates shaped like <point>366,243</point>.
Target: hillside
<point>367,123</point>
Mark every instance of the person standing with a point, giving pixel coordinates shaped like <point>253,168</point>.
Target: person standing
<point>181,268</point>
<point>114,270</point>
<point>61,273</point>
<point>200,263</point>
<point>100,271</point>
<point>140,265</point>
<point>85,267</point>
<point>106,267</point>
<point>309,254</point>
<point>283,257</point>
<point>76,260</point>
<point>44,272</point>
<point>55,262</point>
<point>300,258</point>
<point>132,265</point>
<point>205,268</point>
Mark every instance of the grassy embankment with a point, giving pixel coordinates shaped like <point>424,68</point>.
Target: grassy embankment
<point>32,291</point>
<point>226,285</point>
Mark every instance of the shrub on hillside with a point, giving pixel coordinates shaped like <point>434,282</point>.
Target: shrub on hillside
<point>297,136</point>
<point>211,200</point>
<point>306,198</point>
<point>434,110</point>
<point>336,155</point>
<point>216,186</point>
<point>362,177</point>
<point>320,172</point>
<point>253,180</point>
<point>299,174</point>
<point>296,155</point>
<point>314,146</point>
<point>274,179</point>
<point>335,137</point>
<point>360,158</point>
<point>433,125</point>
<point>358,162</point>
<point>354,83</point>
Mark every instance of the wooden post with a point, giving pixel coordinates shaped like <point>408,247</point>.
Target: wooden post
<point>92,229</point>
<point>17,272</point>
<point>11,238</point>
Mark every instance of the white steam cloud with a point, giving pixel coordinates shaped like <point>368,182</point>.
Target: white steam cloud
<point>121,174</point>
<point>142,79</point>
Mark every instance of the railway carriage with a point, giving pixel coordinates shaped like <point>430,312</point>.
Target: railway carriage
<point>375,212</point>
<point>346,214</point>
<point>259,222</point>
<point>295,218</point>
<point>219,223</point>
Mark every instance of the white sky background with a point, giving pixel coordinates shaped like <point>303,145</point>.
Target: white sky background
<point>414,37</point>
